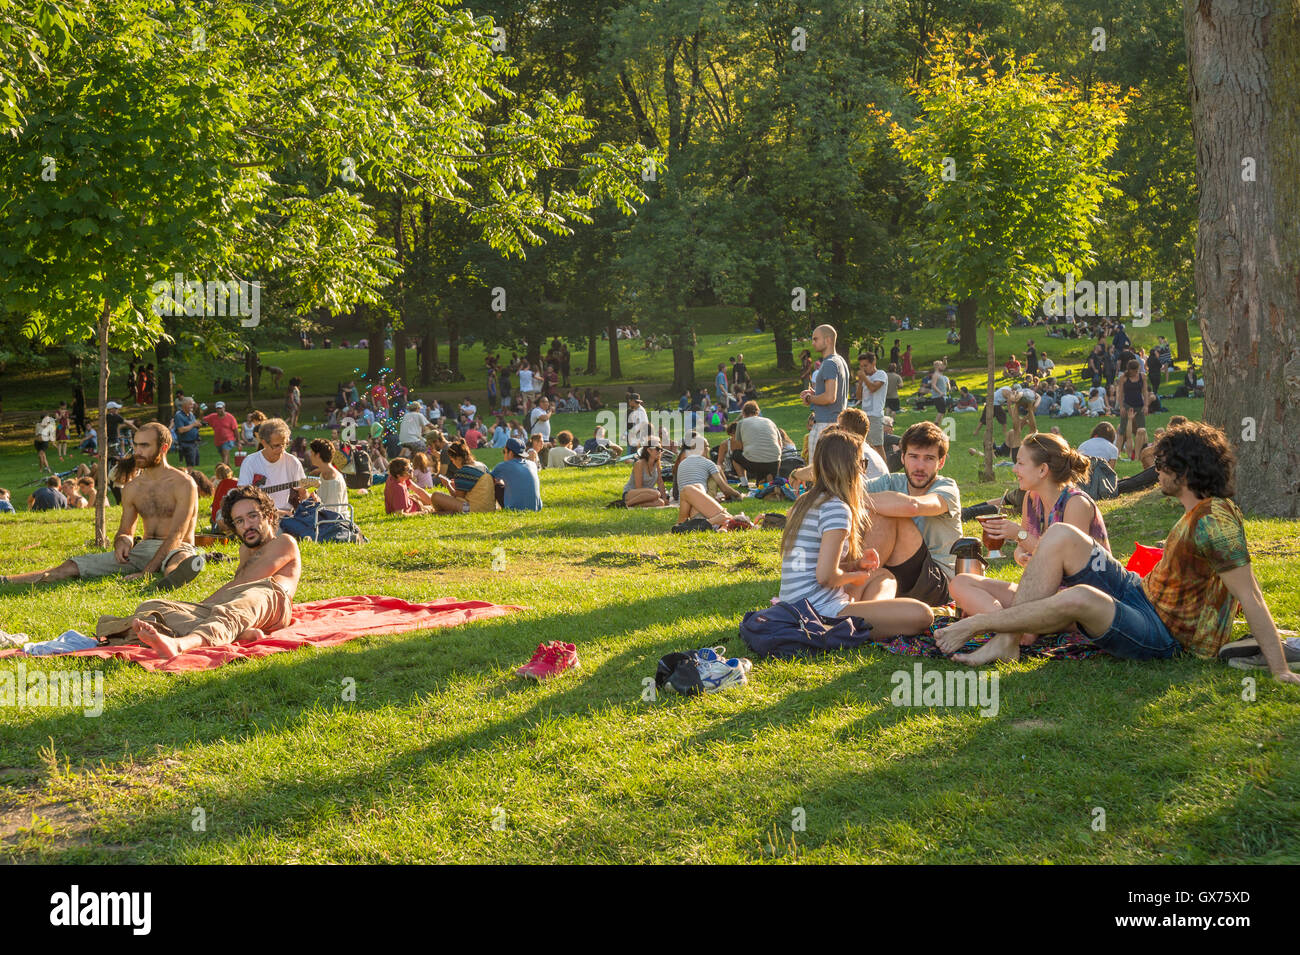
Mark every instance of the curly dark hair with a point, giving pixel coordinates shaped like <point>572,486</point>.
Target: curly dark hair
<point>249,493</point>
<point>1199,455</point>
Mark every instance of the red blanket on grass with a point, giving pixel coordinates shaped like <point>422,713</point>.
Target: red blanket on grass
<point>321,623</point>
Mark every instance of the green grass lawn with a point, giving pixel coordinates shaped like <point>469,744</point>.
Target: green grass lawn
<point>442,742</point>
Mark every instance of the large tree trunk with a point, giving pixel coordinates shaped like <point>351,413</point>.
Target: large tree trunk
<point>399,355</point>
<point>591,353</point>
<point>967,329</point>
<point>988,432</point>
<point>426,359</point>
<point>101,465</point>
<point>1182,341</point>
<point>615,366</point>
<point>1244,71</point>
<point>165,383</point>
<point>784,345</point>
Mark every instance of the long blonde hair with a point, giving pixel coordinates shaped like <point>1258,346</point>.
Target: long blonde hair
<point>837,462</point>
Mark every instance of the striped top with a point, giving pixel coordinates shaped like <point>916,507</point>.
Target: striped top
<point>696,469</point>
<point>465,477</point>
<point>799,564</point>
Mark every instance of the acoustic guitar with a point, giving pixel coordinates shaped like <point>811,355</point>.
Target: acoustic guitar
<point>259,481</point>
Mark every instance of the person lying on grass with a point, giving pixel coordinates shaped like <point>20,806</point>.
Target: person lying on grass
<point>1186,603</point>
<point>693,473</point>
<point>822,558</point>
<point>469,488</point>
<point>1048,471</point>
<point>645,486</point>
<point>401,496</point>
<point>257,601</point>
<point>168,502</point>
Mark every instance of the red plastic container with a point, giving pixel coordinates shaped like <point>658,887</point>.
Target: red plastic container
<point>1144,559</point>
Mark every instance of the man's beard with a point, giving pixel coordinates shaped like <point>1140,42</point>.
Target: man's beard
<point>158,459</point>
<point>922,486</point>
<point>253,544</point>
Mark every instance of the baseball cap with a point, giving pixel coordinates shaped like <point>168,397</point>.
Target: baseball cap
<point>219,404</point>
<point>634,397</point>
<point>112,406</point>
<point>516,446</point>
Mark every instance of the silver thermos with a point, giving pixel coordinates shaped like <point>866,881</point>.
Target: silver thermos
<point>969,552</point>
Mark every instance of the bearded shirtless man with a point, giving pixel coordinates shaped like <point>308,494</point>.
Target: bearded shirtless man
<point>167,500</point>
<point>257,601</point>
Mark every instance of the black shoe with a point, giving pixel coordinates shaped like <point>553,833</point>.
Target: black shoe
<point>182,573</point>
<point>694,524</point>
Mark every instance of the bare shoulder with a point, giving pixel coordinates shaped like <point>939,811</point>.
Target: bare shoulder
<point>285,545</point>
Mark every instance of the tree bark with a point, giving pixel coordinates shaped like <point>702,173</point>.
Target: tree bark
<point>988,431</point>
<point>591,353</point>
<point>967,328</point>
<point>165,382</point>
<point>1244,73</point>
<point>399,355</point>
<point>250,365</point>
<point>615,366</point>
<point>784,345</point>
<point>426,359</point>
<point>1182,341</point>
<point>101,465</point>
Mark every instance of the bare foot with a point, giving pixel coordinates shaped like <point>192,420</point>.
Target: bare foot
<point>1003,646</point>
<point>149,636</point>
<point>249,635</point>
<point>955,635</point>
<point>1027,639</point>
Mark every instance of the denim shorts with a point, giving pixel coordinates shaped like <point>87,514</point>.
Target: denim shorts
<point>1137,632</point>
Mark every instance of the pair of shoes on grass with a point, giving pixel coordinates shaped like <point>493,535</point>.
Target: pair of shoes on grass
<point>706,670</point>
<point>550,660</point>
<point>1244,654</point>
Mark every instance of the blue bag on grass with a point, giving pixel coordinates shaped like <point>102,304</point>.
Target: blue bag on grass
<point>788,630</point>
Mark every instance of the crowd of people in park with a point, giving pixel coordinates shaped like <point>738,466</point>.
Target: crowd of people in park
<point>870,534</point>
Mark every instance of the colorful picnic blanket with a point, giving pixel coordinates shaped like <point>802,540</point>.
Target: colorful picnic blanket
<point>320,623</point>
<point>1051,646</point>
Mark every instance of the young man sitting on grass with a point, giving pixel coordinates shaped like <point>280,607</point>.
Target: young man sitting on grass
<point>257,601</point>
<point>1187,602</point>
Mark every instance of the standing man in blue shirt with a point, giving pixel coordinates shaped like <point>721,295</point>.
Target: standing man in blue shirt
<point>186,426</point>
<point>830,385</point>
<point>523,486</point>
<point>720,383</point>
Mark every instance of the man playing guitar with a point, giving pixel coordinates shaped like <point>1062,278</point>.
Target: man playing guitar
<point>271,468</point>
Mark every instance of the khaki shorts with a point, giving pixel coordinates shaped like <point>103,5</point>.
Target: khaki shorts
<point>875,431</point>
<point>105,565</point>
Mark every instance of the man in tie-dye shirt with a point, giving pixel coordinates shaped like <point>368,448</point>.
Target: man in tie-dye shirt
<point>1187,602</point>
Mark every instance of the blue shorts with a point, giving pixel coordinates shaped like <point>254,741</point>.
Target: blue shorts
<point>226,446</point>
<point>1137,632</point>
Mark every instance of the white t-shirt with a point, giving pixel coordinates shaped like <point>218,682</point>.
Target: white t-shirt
<point>1046,364</point>
<point>470,409</point>
<point>873,402</point>
<point>412,428</point>
<point>540,427</point>
<point>1001,396</point>
<point>1070,404</point>
<point>638,426</point>
<point>287,469</point>
<point>1099,448</point>
<point>1097,405</point>
<point>333,492</point>
<point>558,457</point>
<point>525,380</point>
<point>875,464</point>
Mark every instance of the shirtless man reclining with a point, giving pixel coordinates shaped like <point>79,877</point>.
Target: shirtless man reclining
<point>168,501</point>
<point>256,602</point>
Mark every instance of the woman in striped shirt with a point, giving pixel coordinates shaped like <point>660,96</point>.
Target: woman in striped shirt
<point>822,560</point>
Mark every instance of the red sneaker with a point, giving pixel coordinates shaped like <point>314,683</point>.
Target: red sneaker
<point>558,658</point>
<point>526,669</point>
